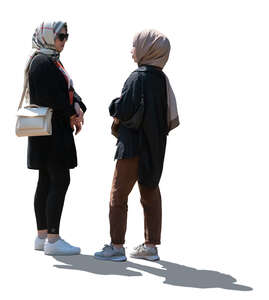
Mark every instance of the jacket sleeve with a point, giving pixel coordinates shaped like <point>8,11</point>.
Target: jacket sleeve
<point>124,108</point>
<point>77,99</point>
<point>48,90</point>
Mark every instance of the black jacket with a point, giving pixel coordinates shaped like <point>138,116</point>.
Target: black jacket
<point>48,87</point>
<point>149,141</point>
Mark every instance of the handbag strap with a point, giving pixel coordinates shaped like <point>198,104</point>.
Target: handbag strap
<point>23,94</point>
<point>25,83</point>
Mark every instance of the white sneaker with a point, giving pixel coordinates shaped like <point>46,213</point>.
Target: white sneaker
<point>39,244</point>
<point>60,247</point>
<point>144,252</point>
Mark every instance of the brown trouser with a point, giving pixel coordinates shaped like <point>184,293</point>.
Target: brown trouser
<point>125,177</point>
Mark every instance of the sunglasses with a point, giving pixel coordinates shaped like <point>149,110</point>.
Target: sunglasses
<point>62,36</point>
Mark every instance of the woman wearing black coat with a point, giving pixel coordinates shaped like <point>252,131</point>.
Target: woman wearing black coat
<point>141,145</point>
<point>51,86</point>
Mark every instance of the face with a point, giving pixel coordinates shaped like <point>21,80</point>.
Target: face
<point>134,54</point>
<point>59,45</point>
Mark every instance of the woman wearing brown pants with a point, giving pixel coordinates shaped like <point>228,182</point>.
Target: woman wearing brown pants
<point>125,177</point>
<point>144,115</point>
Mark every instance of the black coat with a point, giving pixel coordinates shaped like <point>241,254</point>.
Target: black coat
<point>48,87</point>
<point>149,141</point>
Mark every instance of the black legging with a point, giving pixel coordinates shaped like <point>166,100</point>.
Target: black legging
<point>50,193</point>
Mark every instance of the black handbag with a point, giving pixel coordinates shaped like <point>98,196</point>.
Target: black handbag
<point>135,121</point>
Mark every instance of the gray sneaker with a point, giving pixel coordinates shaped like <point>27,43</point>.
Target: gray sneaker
<point>110,252</point>
<point>144,252</point>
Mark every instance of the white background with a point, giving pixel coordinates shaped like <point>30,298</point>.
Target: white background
<point>215,179</point>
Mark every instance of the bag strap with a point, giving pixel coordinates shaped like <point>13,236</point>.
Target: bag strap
<point>25,84</point>
<point>23,94</point>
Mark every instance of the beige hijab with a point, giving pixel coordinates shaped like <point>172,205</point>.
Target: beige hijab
<point>153,48</point>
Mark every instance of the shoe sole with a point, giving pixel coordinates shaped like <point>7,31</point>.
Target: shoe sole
<point>38,249</point>
<point>116,258</point>
<point>61,254</point>
<point>150,258</point>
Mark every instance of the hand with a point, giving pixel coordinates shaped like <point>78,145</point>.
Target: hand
<point>72,121</point>
<point>116,121</point>
<point>79,112</point>
<point>78,125</point>
<point>80,117</point>
<point>75,122</point>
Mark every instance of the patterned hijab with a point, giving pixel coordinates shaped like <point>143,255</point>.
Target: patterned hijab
<point>44,37</point>
<point>153,48</point>
<point>43,42</point>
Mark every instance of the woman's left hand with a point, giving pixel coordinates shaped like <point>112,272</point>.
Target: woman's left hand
<point>76,122</point>
<point>79,112</point>
<point>116,121</point>
<point>78,125</point>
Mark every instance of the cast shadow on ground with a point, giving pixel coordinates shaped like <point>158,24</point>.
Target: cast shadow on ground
<point>173,274</point>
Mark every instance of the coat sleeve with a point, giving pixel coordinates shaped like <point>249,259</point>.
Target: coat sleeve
<point>78,99</point>
<point>124,108</point>
<point>47,89</point>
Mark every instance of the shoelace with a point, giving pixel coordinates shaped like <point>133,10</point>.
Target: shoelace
<point>108,246</point>
<point>139,247</point>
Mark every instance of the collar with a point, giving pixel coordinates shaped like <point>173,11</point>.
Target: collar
<point>148,68</point>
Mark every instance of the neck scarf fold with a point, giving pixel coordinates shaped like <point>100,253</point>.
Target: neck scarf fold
<point>153,48</point>
<point>68,80</point>
<point>43,42</point>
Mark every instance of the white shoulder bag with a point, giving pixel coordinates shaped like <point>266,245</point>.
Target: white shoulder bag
<point>33,120</point>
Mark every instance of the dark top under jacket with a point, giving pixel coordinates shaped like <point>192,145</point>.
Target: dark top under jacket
<point>149,141</point>
<point>48,87</point>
